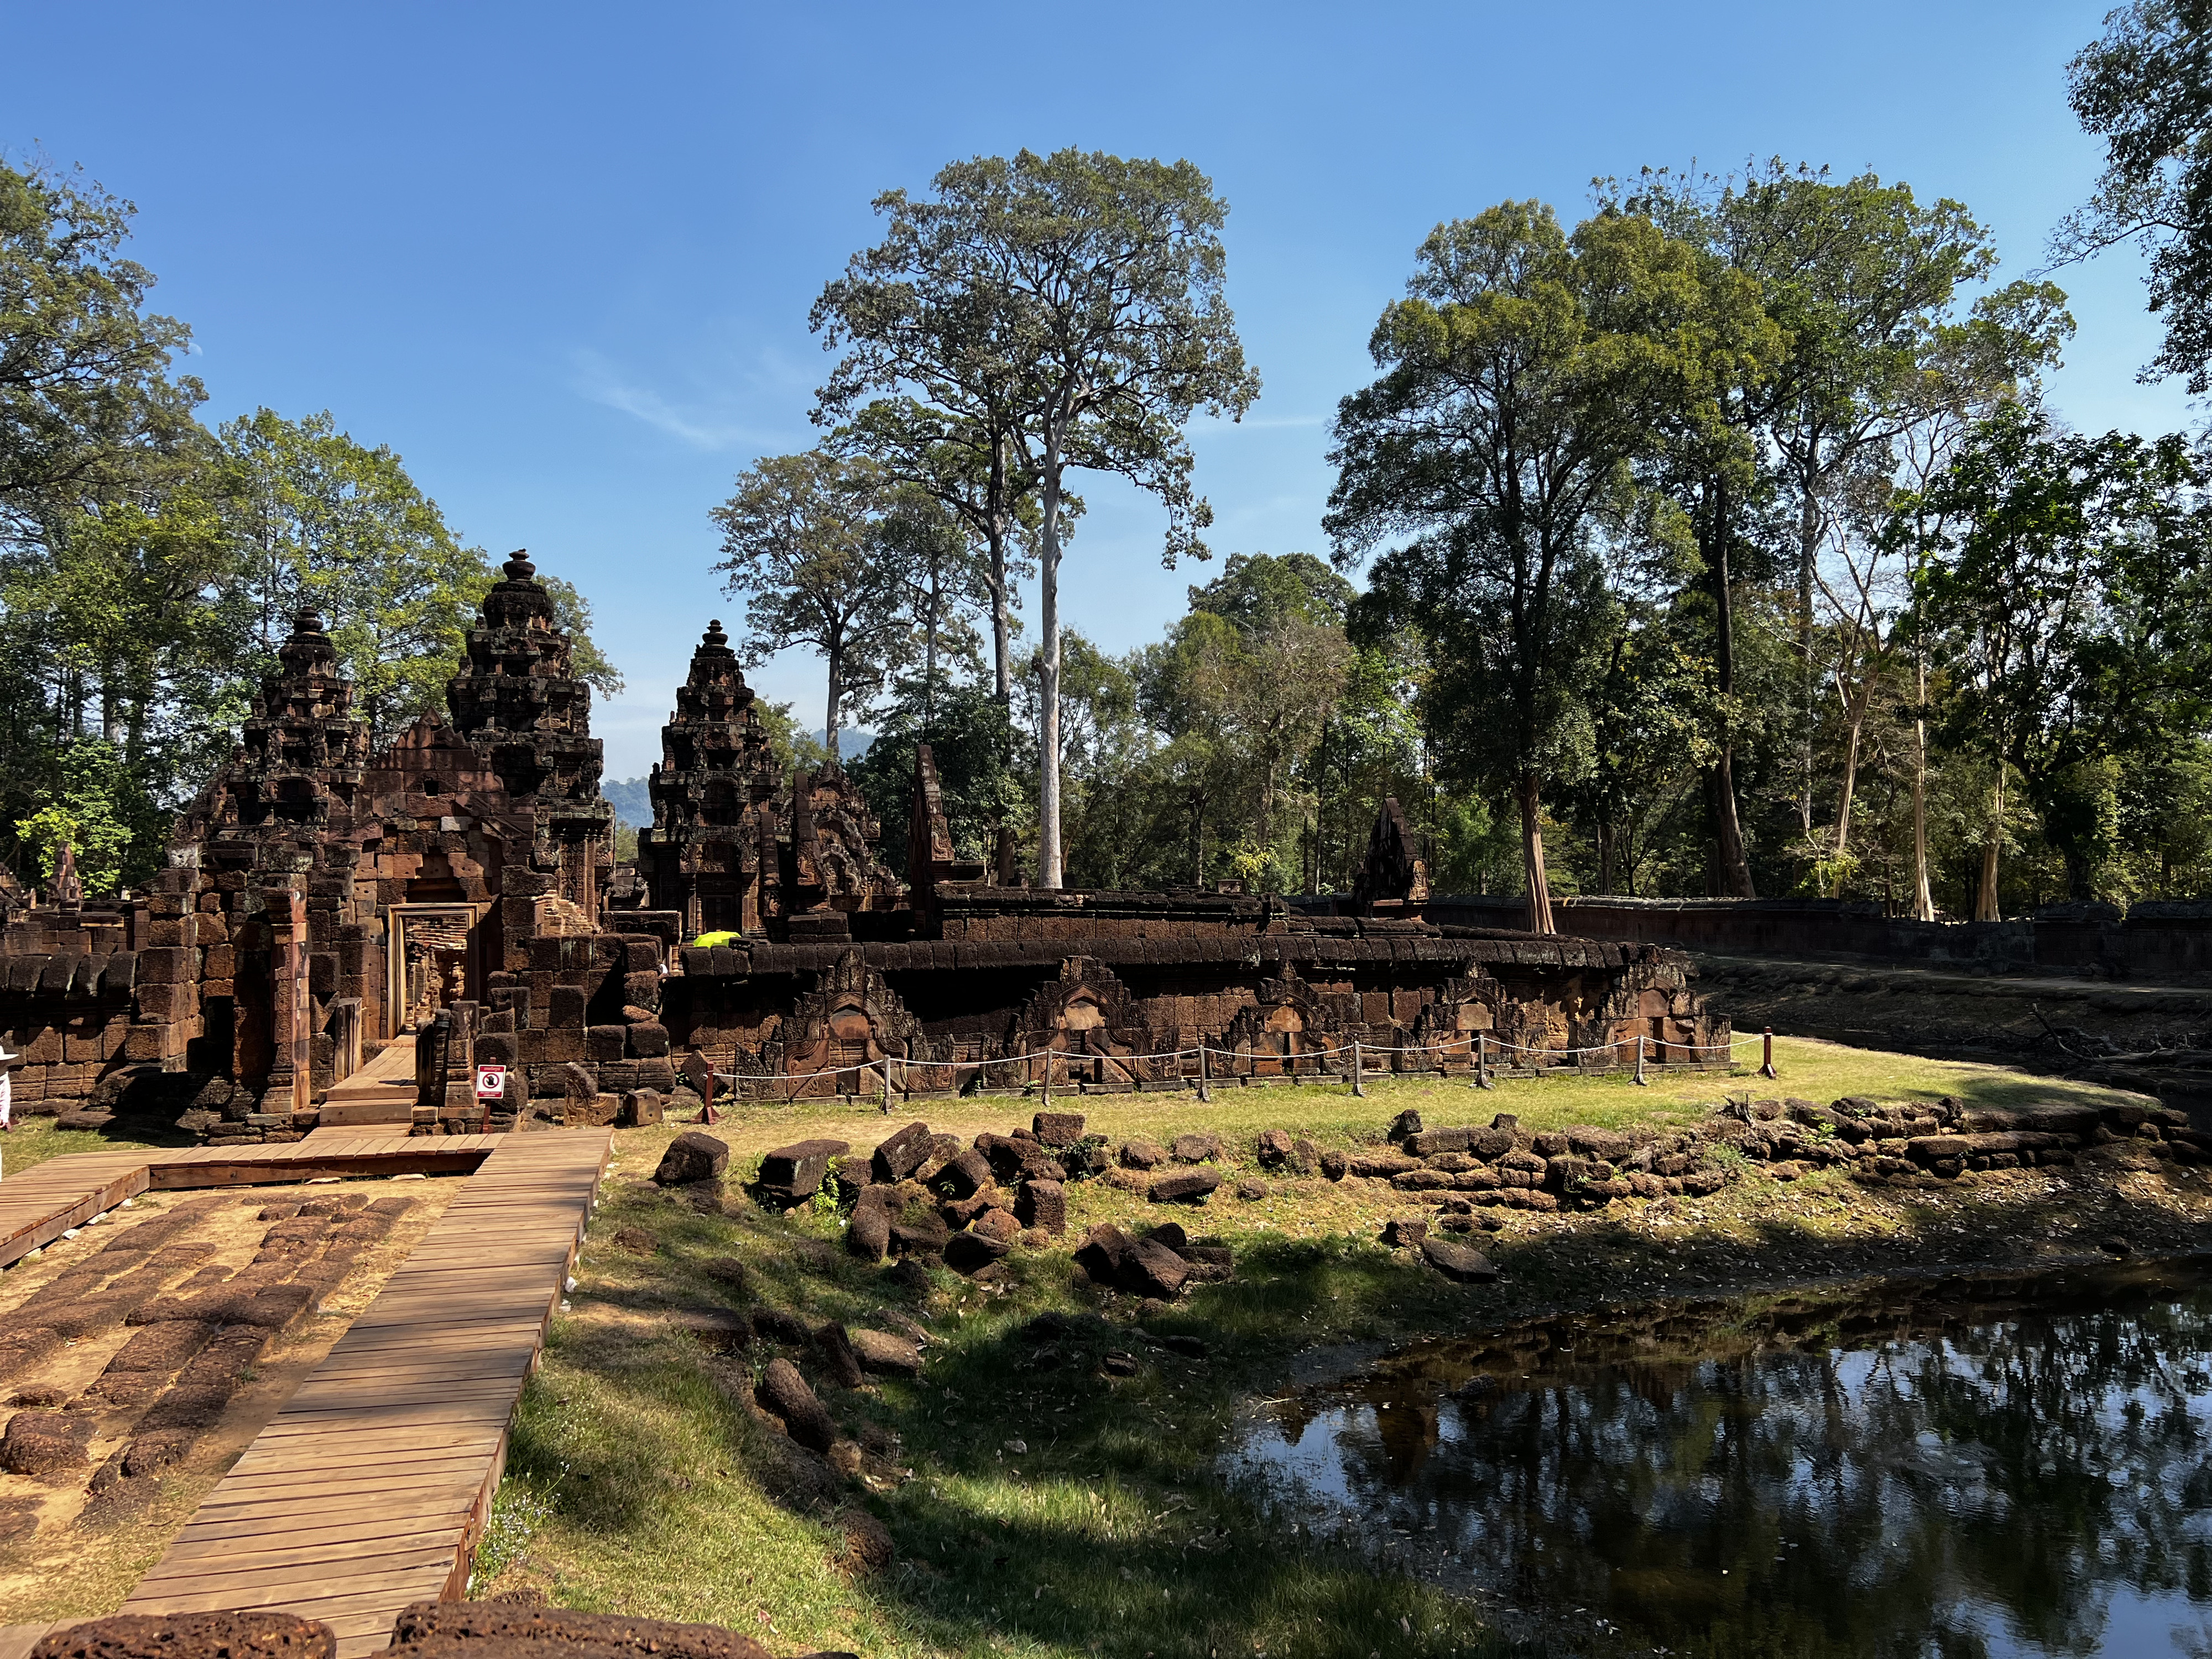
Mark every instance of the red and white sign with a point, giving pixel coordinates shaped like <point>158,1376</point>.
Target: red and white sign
<point>491,1082</point>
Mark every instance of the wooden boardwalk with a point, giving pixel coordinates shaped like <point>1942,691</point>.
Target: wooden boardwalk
<point>382,1092</point>
<point>44,1202</point>
<point>369,1488</point>
<point>37,1207</point>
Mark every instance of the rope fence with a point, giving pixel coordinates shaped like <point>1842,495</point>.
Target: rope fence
<point>1478,1051</point>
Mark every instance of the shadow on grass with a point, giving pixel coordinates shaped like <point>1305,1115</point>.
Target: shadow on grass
<point>1054,1508</point>
<point>1050,1507</point>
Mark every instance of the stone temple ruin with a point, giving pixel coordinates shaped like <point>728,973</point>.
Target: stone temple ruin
<point>345,933</point>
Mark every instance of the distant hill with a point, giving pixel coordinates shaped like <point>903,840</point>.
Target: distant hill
<point>851,743</point>
<point>634,806</point>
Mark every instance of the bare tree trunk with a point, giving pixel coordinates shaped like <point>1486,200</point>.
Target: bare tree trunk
<point>1809,547</point>
<point>1986,898</point>
<point>1735,868</point>
<point>1532,855</point>
<point>837,655</point>
<point>1048,856</point>
<point>1268,812</point>
<point>1734,865</point>
<point>1001,630</point>
<point>1847,786</point>
<point>1923,899</point>
<point>1198,838</point>
<point>929,667</point>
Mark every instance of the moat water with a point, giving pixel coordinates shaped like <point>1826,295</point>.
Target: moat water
<point>1947,1468</point>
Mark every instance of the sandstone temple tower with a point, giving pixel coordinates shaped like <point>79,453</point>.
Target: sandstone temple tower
<point>518,702</point>
<point>710,854</point>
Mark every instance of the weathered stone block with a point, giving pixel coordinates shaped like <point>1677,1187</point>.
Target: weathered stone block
<point>838,1359</point>
<point>1405,1232</point>
<point>785,1394</point>
<point>1102,1253</point>
<point>1042,1204</point>
<point>1459,1262</point>
<point>796,1170</point>
<point>1150,1269</point>
<point>1193,1187</point>
<point>885,1353</point>
<point>900,1156</point>
<point>963,1175</point>
<point>1143,1155</point>
<point>970,1252</point>
<point>1058,1128</point>
<point>868,1235</point>
<point>692,1157</point>
<point>1430,1142</point>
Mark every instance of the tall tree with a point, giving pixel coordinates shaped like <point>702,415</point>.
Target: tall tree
<point>945,585</point>
<point>1070,311</point>
<point>2145,87</point>
<point>321,519</point>
<point>1245,683</point>
<point>85,389</point>
<point>2065,583</point>
<point>972,467</point>
<point>1524,373</point>
<point>1864,280</point>
<point>804,543</point>
<point>110,525</point>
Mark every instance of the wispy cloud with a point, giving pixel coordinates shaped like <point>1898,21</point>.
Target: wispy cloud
<point>700,426</point>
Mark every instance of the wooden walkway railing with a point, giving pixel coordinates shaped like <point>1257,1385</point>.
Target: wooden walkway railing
<point>369,1488</point>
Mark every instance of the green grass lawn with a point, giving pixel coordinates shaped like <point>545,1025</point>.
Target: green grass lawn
<point>1065,1512</point>
<point>1815,1070</point>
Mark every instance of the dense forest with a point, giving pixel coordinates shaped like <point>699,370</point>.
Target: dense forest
<point>1722,539</point>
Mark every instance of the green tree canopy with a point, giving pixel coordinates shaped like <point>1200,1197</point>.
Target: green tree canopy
<point>1056,312</point>
<point>1524,373</point>
<point>319,519</point>
<point>85,390</point>
<point>2065,583</point>
<point>2145,88</point>
<point>805,544</point>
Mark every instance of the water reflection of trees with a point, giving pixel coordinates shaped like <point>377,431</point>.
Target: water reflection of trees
<point>1888,1478</point>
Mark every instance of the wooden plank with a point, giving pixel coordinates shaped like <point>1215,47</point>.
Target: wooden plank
<point>16,1641</point>
<point>370,1486</point>
<point>401,1485</point>
<point>414,1517</point>
<point>368,1591</point>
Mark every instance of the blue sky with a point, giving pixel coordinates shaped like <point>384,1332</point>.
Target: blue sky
<point>561,257</point>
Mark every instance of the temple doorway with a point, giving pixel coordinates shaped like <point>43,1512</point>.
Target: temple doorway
<point>430,961</point>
